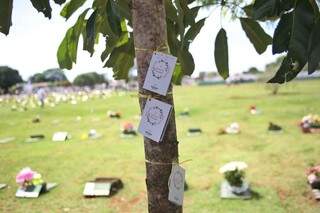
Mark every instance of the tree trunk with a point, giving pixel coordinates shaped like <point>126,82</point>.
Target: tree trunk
<point>150,33</point>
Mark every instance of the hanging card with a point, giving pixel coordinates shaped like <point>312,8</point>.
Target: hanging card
<point>176,185</point>
<point>159,73</point>
<point>154,119</point>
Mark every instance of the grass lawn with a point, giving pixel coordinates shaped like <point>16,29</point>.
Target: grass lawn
<point>277,162</point>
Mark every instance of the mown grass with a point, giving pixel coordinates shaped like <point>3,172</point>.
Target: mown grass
<point>277,162</point>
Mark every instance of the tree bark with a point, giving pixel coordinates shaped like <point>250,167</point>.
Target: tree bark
<point>150,33</point>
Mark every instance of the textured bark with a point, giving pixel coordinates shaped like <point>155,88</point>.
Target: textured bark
<point>150,33</point>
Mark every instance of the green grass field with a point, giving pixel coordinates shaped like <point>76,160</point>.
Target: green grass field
<point>277,162</point>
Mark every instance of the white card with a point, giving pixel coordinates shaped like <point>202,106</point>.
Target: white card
<point>60,136</point>
<point>176,185</point>
<point>154,119</point>
<point>159,73</point>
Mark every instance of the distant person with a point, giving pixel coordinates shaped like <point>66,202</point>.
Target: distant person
<point>41,94</point>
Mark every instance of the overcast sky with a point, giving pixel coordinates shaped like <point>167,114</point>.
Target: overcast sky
<point>33,41</point>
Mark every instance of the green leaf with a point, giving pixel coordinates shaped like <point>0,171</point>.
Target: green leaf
<point>42,6</point>
<point>256,34</point>
<point>110,45</point>
<point>265,8</point>
<point>103,25</point>
<point>270,9</point>
<point>282,34</point>
<point>315,8</point>
<point>171,11</point>
<point>287,71</point>
<point>173,42</point>
<point>221,54</point>
<point>122,66</point>
<point>303,23</point>
<point>121,60</point>
<point>191,15</point>
<point>73,40</point>
<point>124,38</point>
<point>180,4</point>
<point>177,74</point>
<point>299,45</point>
<point>90,35</point>
<point>286,5</point>
<point>314,49</point>
<point>59,1</point>
<point>5,16</point>
<point>71,7</point>
<point>186,61</point>
<point>114,18</point>
<point>63,56</point>
<point>193,32</point>
<point>123,9</point>
<point>248,10</point>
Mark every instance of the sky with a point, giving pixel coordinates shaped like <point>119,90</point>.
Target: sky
<point>33,41</point>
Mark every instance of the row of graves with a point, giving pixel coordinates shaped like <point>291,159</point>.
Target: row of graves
<point>152,125</point>
<point>47,98</point>
<point>31,184</point>
<point>234,186</point>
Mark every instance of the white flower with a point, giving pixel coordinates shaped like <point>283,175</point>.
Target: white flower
<point>234,128</point>
<point>307,119</point>
<point>232,166</point>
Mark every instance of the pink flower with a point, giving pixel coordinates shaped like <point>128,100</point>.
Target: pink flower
<point>311,178</point>
<point>127,126</point>
<point>26,174</point>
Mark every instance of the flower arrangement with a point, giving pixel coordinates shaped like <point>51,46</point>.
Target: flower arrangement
<point>234,172</point>
<point>28,179</point>
<point>232,129</point>
<point>310,123</point>
<point>128,129</point>
<point>253,110</point>
<point>112,114</point>
<point>313,176</point>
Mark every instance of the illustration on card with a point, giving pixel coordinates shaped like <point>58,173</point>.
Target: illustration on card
<point>178,178</point>
<point>154,115</point>
<point>160,69</point>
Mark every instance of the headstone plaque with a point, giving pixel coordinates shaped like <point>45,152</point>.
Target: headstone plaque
<point>93,189</point>
<point>194,131</point>
<point>2,186</point>
<point>29,193</point>
<point>35,138</point>
<point>102,187</point>
<point>7,140</point>
<point>60,136</point>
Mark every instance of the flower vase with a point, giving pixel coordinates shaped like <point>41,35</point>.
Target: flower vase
<point>316,184</point>
<point>315,130</point>
<point>238,190</point>
<point>29,188</point>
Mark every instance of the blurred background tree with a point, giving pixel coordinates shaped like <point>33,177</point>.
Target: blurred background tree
<point>89,79</point>
<point>8,78</point>
<point>50,75</point>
